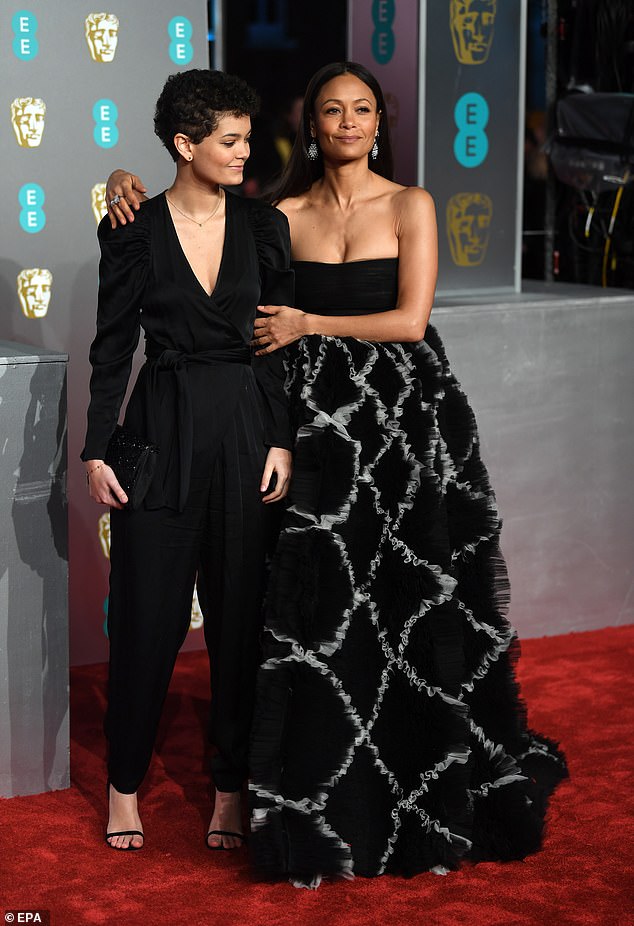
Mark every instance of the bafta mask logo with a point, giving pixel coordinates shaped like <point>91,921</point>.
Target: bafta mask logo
<point>27,117</point>
<point>468,223</point>
<point>34,291</point>
<point>102,34</point>
<point>104,534</point>
<point>472,23</point>
<point>98,201</point>
<point>196,620</point>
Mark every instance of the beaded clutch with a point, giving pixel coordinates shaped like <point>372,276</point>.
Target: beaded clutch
<point>134,463</point>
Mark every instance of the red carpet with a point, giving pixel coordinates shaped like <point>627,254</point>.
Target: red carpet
<point>579,690</point>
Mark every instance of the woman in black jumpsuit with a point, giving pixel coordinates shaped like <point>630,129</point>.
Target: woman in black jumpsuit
<point>212,410</point>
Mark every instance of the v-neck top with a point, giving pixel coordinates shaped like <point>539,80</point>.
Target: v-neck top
<point>182,250</point>
<point>146,282</point>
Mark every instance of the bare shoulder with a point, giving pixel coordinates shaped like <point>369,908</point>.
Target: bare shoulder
<point>414,201</point>
<point>293,205</point>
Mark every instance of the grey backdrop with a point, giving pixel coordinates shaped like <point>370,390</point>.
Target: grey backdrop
<point>408,45</point>
<point>550,382</point>
<point>67,164</point>
<point>34,731</point>
<point>500,81</point>
<point>384,36</point>
<point>550,377</point>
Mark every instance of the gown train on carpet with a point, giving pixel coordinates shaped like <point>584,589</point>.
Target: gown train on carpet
<point>389,734</point>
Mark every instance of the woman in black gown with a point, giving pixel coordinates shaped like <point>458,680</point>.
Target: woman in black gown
<point>388,734</point>
<point>190,271</point>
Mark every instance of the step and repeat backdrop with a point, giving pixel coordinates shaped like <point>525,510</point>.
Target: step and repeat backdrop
<point>78,86</point>
<point>453,75</point>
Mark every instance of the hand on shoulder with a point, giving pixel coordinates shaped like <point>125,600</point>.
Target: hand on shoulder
<point>124,193</point>
<point>131,231</point>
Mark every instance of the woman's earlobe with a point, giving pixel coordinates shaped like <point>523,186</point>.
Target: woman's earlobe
<point>183,147</point>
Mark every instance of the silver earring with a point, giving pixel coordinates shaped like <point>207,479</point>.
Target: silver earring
<point>375,149</point>
<point>313,152</point>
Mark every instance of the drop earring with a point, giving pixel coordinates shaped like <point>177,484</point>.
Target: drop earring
<point>375,149</point>
<point>313,151</point>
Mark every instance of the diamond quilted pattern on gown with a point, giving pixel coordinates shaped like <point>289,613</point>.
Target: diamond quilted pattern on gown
<point>389,734</point>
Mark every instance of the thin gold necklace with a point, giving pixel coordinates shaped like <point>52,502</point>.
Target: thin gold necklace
<point>195,221</point>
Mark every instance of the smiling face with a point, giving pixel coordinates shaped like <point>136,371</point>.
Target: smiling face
<point>346,119</point>
<point>221,156</point>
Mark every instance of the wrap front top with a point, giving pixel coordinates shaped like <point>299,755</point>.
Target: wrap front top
<point>145,281</point>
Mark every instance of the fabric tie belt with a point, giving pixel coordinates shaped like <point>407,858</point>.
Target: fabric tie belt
<point>167,359</point>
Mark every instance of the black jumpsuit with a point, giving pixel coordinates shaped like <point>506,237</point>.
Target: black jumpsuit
<point>212,409</point>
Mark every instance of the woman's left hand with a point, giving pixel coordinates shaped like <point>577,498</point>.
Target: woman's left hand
<point>278,467</point>
<point>282,326</point>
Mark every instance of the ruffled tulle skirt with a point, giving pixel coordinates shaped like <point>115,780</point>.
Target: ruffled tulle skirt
<point>389,735</point>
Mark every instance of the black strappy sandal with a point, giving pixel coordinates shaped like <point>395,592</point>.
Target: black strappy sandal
<point>223,833</point>
<point>129,846</point>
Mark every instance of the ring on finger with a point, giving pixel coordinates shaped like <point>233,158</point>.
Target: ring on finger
<point>115,200</point>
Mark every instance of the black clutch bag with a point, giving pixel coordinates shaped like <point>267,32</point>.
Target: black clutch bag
<point>134,463</point>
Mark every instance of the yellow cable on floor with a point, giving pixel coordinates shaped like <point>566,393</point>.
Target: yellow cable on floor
<point>608,240</point>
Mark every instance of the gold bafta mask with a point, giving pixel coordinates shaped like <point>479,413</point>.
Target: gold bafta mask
<point>98,201</point>
<point>196,620</point>
<point>468,223</point>
<point>472,23</point>
<point>34,291</point>
<point>102,34</point>
<point>104,534</point>
<point>27,117</point>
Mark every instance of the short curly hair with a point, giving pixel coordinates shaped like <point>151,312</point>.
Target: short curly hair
<point>192,102</point>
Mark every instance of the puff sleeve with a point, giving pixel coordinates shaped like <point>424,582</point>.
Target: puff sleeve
<point>123,272</point>
<point>277,287</point>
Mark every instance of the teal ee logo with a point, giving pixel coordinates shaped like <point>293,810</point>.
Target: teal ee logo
<point>105,132</point>
<point>471,144</point>
<point>383,37</point>
<point>25,45</point>
<point>180,32</point>
<point>32,218</point>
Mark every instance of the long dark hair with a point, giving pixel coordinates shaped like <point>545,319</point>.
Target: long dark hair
<point>300,173</point>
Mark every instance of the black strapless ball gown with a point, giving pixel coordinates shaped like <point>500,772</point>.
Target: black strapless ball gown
<point>389,735</point>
